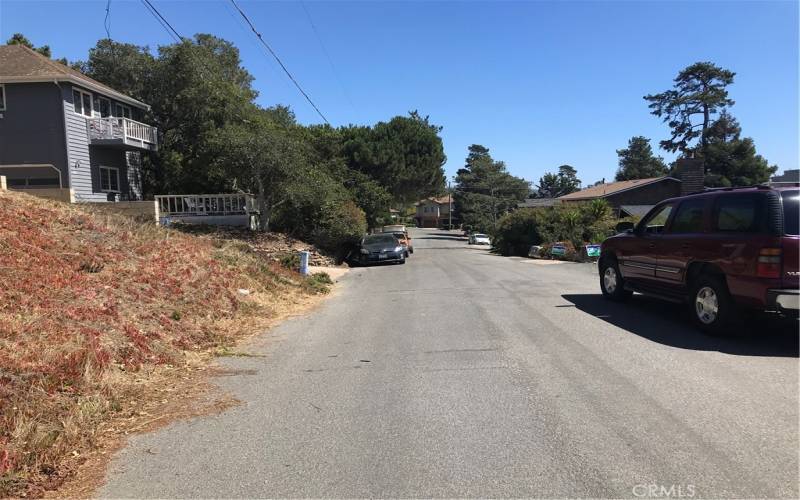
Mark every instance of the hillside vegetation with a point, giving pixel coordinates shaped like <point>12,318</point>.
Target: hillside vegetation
<point>93,306</point>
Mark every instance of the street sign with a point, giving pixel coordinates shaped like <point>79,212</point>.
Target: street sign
<point>593,250</point>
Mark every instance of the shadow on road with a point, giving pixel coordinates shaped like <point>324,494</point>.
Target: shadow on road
<point>670,324</point>
<point>440,237</point>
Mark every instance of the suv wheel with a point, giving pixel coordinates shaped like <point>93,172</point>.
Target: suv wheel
<point>611,282</point>
<point>712,306</point>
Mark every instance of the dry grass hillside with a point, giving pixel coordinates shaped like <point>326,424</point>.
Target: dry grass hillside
<point>96,309</point>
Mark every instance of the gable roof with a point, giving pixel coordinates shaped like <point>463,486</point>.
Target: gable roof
<point>603,190</point>
<point>19,64</point>
<point>441,200</point>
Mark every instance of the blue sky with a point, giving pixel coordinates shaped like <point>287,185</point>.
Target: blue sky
<point>539,83</point>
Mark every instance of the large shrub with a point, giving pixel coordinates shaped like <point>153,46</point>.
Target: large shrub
<point>342,224</point>
<point>577,224</point>
<point>517,231</point>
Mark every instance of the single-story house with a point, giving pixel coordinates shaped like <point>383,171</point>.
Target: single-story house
<point>635,197</point>
<point>788,177</point>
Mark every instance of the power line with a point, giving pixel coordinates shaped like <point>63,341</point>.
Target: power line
<point>327,55</point>
<point>106,22</point>
<point>158,17</point>
<point>285,70</point>
<point>163,21</point>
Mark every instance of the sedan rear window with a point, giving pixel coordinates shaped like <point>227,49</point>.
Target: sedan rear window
<point>386,239</point>
<point>791,212</point>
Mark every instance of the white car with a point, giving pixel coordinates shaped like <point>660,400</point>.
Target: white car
<point>479,239</point>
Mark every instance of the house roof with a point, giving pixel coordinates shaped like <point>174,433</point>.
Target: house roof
<point>603,190</point>
<point>19,64</point>
<point>440,200</point>
<point>636,210</point>
<point>537,202</point>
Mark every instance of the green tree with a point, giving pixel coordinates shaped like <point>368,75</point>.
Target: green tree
<point>553,185</point>
<point>732,160</point>
<point>699,90</point>
<point>122,66</point>
<point>485,190</point>
<point>261,156</point>
<point>20,39</point>
<point>405,155</point>
<point>638,162</point>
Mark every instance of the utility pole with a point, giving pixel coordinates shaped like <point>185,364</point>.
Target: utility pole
<point>494,210</point>
<point>449,207</point>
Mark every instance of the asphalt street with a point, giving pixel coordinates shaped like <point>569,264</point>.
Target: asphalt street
<point>466,374</point>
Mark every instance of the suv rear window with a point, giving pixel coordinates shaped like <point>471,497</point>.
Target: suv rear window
<point>740,214</point>
<point>791,212</point>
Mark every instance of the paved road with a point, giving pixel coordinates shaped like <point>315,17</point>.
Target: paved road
<point>464,374</point>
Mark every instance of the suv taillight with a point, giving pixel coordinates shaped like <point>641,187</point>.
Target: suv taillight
<point>769,263</point>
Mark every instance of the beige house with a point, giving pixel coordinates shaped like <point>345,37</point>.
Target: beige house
<point>434,212</point>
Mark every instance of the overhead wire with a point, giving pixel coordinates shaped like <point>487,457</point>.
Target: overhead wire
<point>278,59</point>
<point>327,55</point>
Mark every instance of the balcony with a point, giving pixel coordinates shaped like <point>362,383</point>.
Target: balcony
<point>123,133</point>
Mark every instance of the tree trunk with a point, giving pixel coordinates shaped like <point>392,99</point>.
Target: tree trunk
<point>706,118</point>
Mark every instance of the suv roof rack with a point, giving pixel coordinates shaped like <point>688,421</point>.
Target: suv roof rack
<point>731,188</point>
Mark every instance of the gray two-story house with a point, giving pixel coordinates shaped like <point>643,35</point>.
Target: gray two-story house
<point>62,129</point>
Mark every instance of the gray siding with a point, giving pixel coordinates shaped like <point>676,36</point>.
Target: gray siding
<point>40,126</point>
<point>121,160</point>
<point>78,157</point>
<point>32,127</point>
<point>134,177</point>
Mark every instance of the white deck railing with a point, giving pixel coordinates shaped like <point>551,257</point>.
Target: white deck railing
<point>122,128</point>
<point>176,205</point>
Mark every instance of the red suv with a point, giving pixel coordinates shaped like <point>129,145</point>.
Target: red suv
<point>720,251</point>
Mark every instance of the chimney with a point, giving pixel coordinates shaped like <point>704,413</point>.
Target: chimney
<point>692,173</point>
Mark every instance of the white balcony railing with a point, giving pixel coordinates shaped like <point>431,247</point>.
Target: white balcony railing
<point>125,129</point>
<point>205,204</point>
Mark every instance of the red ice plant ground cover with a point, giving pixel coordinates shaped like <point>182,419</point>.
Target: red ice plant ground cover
<point>91,306</point>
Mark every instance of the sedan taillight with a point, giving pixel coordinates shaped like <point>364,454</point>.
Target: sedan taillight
<point>769,263</point>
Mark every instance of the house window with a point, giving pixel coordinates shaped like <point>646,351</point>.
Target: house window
<point>123,111</point>
<point>2,97</point>
<point>82,101</point>
<point>104,105</point>
<point>109,179</point>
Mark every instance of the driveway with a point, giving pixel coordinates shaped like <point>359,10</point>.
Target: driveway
<point>465,374</point>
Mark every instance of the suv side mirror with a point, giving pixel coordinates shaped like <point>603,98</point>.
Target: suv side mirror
<point>624,226</point>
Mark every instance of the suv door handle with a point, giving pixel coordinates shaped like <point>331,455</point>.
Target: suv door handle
<point>652,245</point>
<point>685,246</point>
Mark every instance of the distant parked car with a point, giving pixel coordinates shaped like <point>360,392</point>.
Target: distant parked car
<point>720,251</point>
<point>405,241</point>
<point>381,247</point>
<point>401,235</point>
<point>479,239</point>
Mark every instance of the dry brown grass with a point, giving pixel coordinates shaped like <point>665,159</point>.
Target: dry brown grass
<point>97,313</point>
